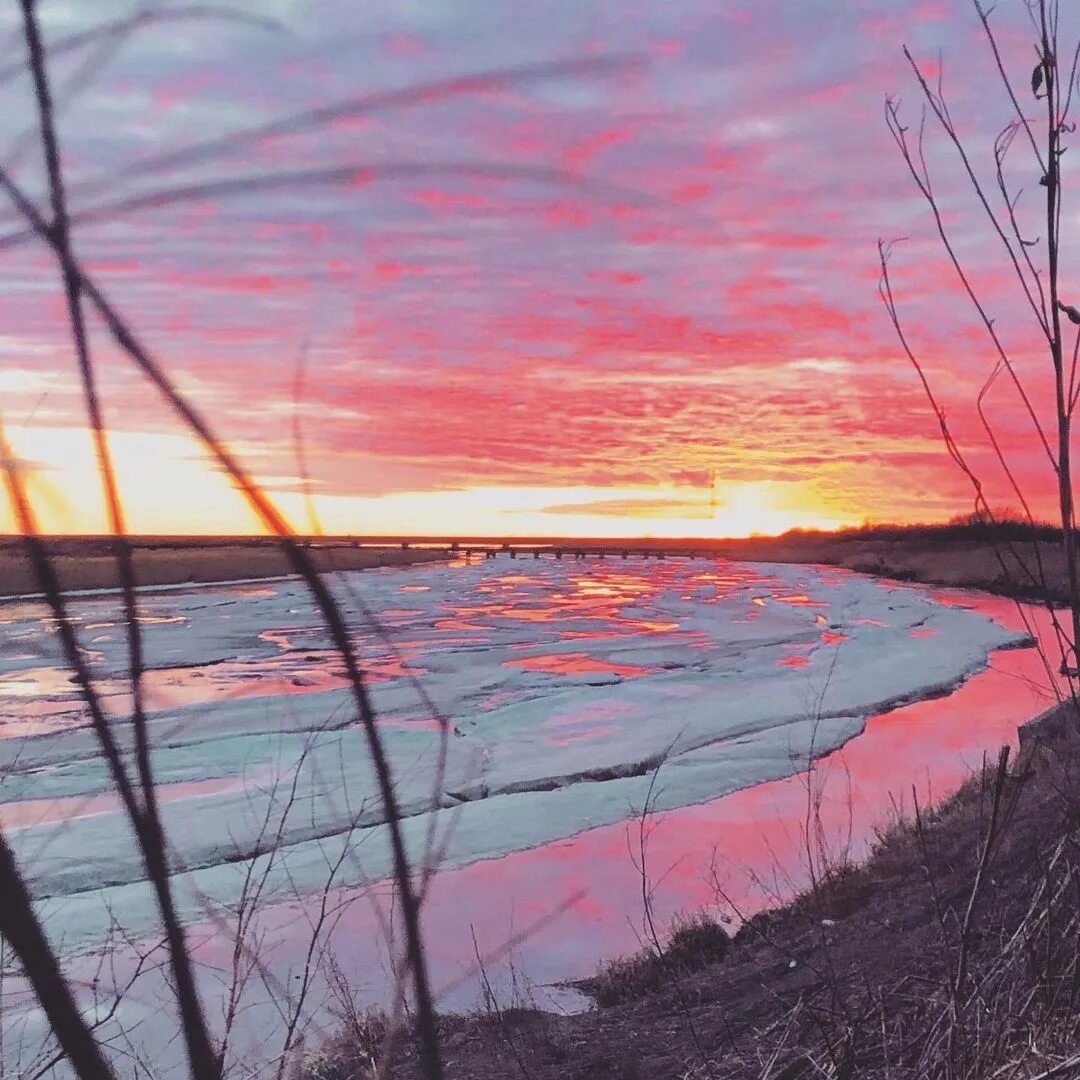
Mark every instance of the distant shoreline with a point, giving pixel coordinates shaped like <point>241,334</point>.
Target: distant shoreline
<point>934,556</point>
<point>1004,566</point>
<point>93,570</point>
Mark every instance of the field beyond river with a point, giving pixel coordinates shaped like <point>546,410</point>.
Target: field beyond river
<point>997,559</point>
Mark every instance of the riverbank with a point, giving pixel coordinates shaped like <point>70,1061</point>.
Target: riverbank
<point>91,564</point>
<point>1010,567</point>
<point>952,951</point>
<point>1025,565</point>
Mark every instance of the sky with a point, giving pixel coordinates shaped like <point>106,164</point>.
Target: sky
<point>613,272</point>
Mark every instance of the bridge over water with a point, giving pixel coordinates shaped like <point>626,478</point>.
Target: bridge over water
<point>478,545</point>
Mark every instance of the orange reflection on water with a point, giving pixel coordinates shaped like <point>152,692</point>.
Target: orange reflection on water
<point>37,682</point>
<point>576,664</point>
<point>523,614</point>
<point>592,588</point>
<point>799,600</point>
<point>793,662</point>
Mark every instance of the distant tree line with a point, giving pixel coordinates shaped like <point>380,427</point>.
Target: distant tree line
<point>999,524</point>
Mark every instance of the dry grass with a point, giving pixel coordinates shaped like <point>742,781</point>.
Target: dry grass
<point>353,1054</point>
<point>194,563</point>
<point>695,941</point>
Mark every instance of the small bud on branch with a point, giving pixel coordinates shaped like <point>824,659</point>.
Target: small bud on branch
<point>1071,313</point>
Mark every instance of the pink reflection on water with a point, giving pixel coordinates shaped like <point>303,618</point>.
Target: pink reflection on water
<point>21,815</point>
<point>590,713</point>
<point>496,700</point>
<point>459,624</point>
<point>43,700</point>
<point>748,845</point>
<point>582,736</point>
<point>407,723</point>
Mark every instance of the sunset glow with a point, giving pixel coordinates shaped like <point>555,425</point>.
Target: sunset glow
<point>63,482</point>
<point>443,441</point>
<point>632,298</point>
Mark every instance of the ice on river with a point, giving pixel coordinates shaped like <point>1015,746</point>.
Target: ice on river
<point>563,685</point>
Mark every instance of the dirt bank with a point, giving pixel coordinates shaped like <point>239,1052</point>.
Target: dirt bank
<point>91,565</point>
<point>935,555</point>
<point>1016,568</point>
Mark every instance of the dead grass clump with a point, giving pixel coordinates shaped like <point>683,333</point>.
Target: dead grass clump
<point>352,1054</point>
<point>695,942</point>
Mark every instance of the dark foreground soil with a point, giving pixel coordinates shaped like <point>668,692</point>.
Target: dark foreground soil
<point>916,964</point>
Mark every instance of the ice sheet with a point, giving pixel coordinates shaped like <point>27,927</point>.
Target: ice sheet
<point>564,685</point>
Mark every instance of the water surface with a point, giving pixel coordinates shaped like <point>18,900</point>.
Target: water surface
<point>557,691</point>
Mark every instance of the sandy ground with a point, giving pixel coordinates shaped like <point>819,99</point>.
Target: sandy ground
<point>91,566</point>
